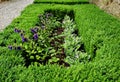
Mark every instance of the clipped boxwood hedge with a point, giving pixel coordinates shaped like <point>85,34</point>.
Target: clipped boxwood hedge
<point>60,1</point>
<point>99,31</point>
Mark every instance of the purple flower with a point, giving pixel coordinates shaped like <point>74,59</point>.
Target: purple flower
<point>10,47</point>
<point>18,48</point>
<point>17,30</point>
<point>24,39</point>
<point>35,36</point>
<point>22,35</point>
<point>34,30</point>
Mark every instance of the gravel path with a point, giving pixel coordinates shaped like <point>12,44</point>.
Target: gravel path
<point>10,10</point>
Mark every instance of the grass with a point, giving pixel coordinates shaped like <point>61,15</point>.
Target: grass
<point>100,34</point>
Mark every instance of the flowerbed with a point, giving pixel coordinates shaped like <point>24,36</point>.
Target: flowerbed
<point>53,40</point>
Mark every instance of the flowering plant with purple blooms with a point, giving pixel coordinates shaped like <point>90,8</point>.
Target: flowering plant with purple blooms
<point>14,47</point>
<point>36,46</point>
<point>34,30</point>
<point>17,30</point>
<point>10,47</point>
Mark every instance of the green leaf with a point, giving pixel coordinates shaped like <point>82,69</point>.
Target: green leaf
<point>31,57</point>
<point>26,47</point>
<point>37,57</point>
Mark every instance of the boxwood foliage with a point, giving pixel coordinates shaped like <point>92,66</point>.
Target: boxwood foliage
<point>60,1</point>
<point>99,31</point>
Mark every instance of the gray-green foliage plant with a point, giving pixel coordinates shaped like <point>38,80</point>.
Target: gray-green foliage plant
<point>72,42</point>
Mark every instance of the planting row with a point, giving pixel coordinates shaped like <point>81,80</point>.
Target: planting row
<point>53,40</point>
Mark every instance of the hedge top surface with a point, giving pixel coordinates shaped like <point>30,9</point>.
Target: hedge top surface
<point>59,1</point>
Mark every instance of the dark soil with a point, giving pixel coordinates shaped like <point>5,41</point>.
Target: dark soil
<point>56,43</point>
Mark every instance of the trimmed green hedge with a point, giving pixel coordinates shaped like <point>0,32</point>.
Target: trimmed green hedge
<point>99,31</point>
<point>63,1</point>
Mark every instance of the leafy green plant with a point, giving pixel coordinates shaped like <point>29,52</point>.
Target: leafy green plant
<point>73,43</point>
<point>48,21</point>
<point>36,47</point>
